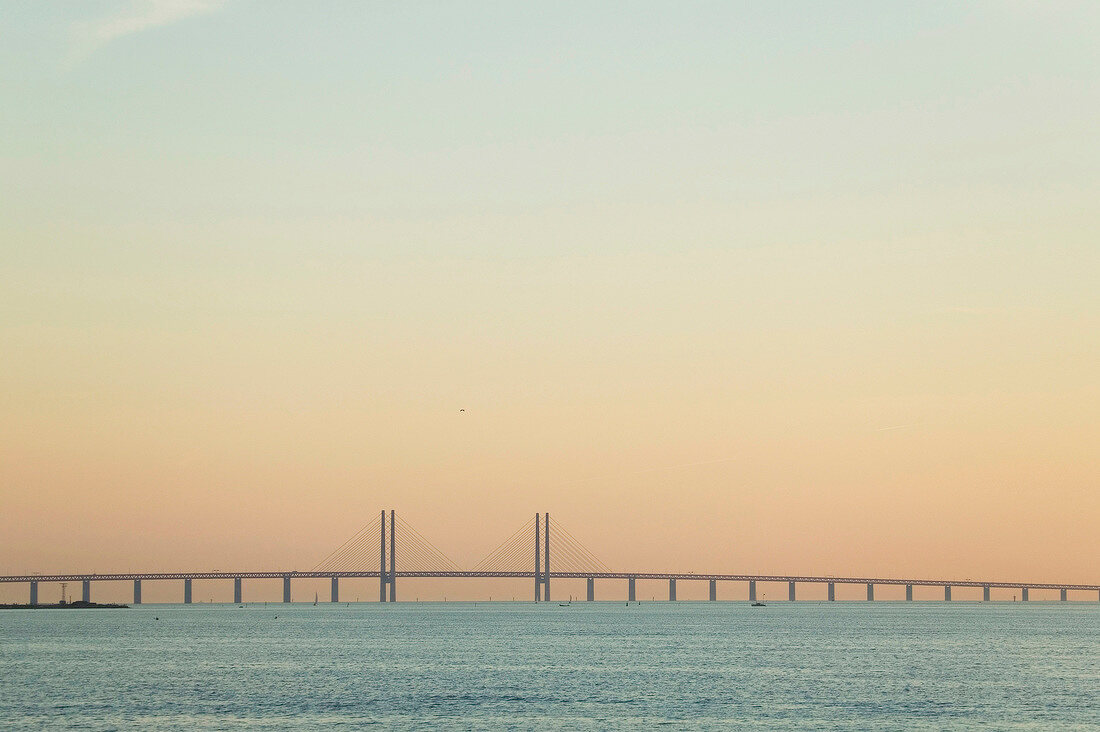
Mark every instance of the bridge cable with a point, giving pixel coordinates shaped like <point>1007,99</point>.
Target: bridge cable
<point>350,547</point>
<point>518,545</point>
<point>433,557</point>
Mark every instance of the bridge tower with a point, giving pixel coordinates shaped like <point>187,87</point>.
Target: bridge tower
<point>393,555</point>
<point>542,558</point>
<point>546,557</point>
<point>388,577</point>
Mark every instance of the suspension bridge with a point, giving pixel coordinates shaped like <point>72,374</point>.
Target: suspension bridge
<point>374,551</point>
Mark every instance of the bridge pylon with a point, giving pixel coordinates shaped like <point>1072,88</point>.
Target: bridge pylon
<point>542,559</point>
<point>355,556</point>
<point>546,558</point>
<point>387,577</point>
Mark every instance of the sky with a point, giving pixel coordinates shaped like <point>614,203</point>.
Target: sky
<point>738,287</point>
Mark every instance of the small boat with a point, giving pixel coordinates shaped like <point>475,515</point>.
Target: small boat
<point>759,603</point>
<point>566,604</point>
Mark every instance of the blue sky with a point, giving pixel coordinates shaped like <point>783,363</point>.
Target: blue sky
<point>308,111</point>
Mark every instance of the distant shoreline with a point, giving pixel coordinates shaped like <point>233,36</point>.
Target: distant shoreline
<point>78,605</point>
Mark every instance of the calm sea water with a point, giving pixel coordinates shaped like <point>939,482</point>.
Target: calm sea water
<point>520,665</point>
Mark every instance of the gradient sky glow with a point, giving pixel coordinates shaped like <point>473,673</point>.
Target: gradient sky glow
<point>798,287</point>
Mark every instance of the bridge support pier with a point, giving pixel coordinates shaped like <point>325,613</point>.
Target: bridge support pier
<point>187,591</point>
<point>86,590</point>
<point>947,593</point>
<point>334,593</point>
<point>713,590</point>
<point>870,592</point>
<point>752,590</point>
<point>237,594</point>
<point>286,588</point>
<point>1063,595</point>
<point>832,592</point>
<point>985,594</point>
<point>790,591</point>
<point>631,593</point>
<point>1023,594</point>
<point>672,590</point>
<point>137,592</point>
<point>909,593</point>
<point>591,589</point>
<point>34,592</point>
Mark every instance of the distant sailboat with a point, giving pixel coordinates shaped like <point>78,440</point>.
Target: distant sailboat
<point>760,603</point>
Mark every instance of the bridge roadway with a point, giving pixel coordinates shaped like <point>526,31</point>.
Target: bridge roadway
<point>687,576</point>
<point>672,577</point>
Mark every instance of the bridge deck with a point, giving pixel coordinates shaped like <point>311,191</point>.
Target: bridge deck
<point>122,576</point>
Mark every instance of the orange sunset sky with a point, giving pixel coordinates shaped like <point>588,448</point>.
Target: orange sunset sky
<point>742,289</point>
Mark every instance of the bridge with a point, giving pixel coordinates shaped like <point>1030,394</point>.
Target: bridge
<point>526,554</point>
